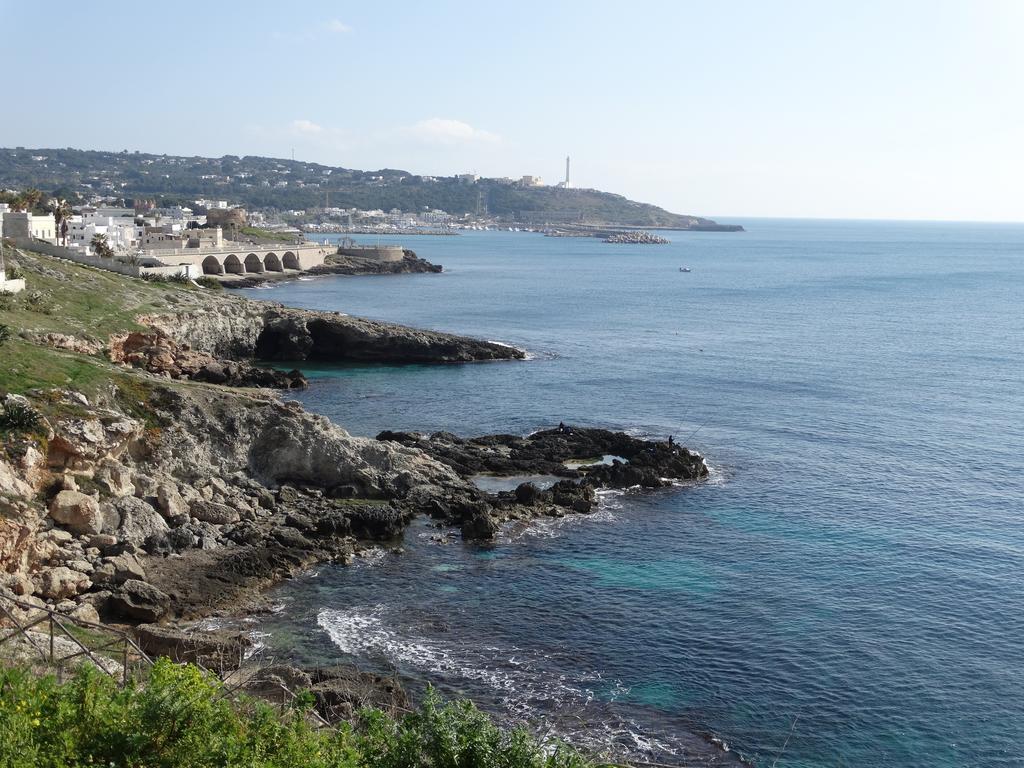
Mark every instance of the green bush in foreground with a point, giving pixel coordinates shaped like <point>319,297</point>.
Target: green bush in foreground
<point>176,719</point>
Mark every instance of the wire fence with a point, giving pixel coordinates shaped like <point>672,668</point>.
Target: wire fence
<point>60,642</point>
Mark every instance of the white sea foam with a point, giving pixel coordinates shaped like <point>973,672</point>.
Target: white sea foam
<point>370,556</point>
<point>520,679</point>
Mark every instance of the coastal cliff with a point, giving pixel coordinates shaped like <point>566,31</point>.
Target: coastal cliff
<point>151,473</point>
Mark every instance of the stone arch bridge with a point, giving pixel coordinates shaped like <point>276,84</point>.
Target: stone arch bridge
<point>253,262</point>
<point>239,259</point>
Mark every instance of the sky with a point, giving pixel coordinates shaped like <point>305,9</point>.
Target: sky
<point>893,110</point>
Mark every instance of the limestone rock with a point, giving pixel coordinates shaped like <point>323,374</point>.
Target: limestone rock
<point>170,503</point>
<point>212,512</point>
<point>61,582</point>
<point>80,513</point>
<point>116,478</point>
<point>140,601</point>
<point>118,569</point>
<point>78,443</point>
<point>139,521</point>
<point>13,483</point>
<point>85,612</point>
<point>20,543</point>
<point>216,649</point>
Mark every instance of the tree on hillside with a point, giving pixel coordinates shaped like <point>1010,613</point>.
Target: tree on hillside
<point>101,247</point>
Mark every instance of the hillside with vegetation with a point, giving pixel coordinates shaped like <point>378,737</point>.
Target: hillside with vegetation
<point>264,183</point>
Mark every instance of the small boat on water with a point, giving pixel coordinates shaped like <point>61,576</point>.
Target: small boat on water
<point>685,269</point>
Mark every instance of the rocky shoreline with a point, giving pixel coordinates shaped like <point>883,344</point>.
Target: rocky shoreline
<point>186,487</point>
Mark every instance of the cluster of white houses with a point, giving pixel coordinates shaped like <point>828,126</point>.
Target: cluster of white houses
<point>165,241</point>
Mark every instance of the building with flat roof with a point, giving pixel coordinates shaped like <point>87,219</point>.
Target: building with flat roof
<point>30,226</point>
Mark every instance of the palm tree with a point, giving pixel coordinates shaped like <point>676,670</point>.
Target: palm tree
<point>19,203</point>
<point>101,247</point>
<point>32,197</point>
<point>61,213</point>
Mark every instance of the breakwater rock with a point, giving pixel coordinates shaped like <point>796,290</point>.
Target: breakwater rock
<point>636,238</point>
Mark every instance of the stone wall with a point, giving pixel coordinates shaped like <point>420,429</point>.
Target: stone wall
<point>374,253</point>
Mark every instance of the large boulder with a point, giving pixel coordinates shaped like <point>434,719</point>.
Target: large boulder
<point>12,483</point>
<point>78,512</point>
<point>78,443</point>
<point>342,691</point>
<point>139,521</point>
<point>21,546</point>
<point>170,503</point>
<point>217,650</point>
<point>527,493</point>
<point>116,478</point>
<point>212,512</point>
<point>60,583</point>
<point>119,569</point>
<point>140,601</point>
<point>479,526</point>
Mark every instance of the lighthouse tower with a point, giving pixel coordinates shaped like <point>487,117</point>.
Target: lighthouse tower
<point>566,171</point>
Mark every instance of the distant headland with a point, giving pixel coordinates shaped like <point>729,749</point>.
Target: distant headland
<point>316,197</point>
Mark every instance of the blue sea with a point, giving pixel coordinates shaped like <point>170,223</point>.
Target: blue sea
<point>847,589</point>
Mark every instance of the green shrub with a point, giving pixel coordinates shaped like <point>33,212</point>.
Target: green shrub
<point>209,282</point>
<point>180,718</point>
<point>178,277</point>
<point>18,417</point>
<point>14,272</point>
<point>6,301</point>
<point>37,301</point>
<point>5,334</point>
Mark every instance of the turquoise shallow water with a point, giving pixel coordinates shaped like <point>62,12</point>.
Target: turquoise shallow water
<point>852,574</point>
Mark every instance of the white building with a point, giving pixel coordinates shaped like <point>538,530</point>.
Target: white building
<point>30,226</point>
<point>117,224</point>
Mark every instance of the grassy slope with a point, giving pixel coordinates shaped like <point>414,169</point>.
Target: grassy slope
<point>68,298</point>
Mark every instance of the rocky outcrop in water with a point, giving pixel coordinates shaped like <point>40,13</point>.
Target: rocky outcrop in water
<point>555,451</point>
<point>296,335</point>
<point>246,329</point>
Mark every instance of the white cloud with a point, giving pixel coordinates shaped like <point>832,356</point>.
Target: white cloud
<point>340,27</point>
<point>439,130</point>
<point>306,127</point>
